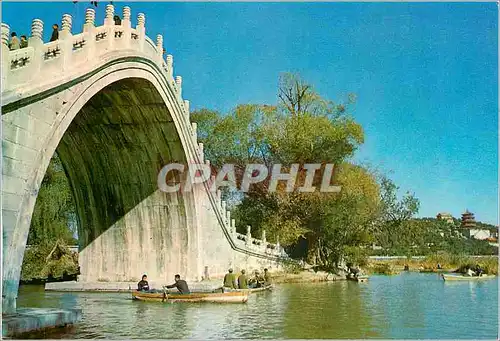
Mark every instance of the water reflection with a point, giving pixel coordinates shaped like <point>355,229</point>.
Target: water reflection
<point>409,305</point>
<point>333,310</point>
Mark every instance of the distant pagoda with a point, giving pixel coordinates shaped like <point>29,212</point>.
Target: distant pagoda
<point>468,220</point>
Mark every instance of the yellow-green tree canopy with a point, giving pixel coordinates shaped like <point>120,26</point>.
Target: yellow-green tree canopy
<point>302,128</point>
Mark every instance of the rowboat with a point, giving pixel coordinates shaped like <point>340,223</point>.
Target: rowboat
<point>460,277</point>
<point>194,297</point>
<point>250,290</point>
<point>360,278</point>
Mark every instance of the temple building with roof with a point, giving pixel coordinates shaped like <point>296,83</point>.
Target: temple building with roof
<point>470,230</point>
<point>445,216</point>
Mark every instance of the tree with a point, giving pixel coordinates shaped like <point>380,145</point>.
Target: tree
<point>394,229</point>
<point>53,209</point>
<point>50,228</point>
<point>302,128</point>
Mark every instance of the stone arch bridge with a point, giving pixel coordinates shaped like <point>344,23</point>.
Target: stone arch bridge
<point>108,103</point>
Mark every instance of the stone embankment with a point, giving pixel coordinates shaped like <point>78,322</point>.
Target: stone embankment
<point>277,278</point>
<point>29,320</point>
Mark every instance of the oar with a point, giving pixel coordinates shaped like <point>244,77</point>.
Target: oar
<point>165,294</point>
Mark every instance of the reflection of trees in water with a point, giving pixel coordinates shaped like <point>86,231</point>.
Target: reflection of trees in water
<point>328,310</point>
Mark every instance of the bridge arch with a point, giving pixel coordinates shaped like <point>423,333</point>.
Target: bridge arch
<point>113,130</point>
<point>103,99</point>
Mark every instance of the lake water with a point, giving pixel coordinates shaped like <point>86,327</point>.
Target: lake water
<point>409,305</point>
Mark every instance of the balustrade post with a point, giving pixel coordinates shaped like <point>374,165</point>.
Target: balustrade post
<point>109,23</point>
<point>201,155</point>
<point>194,130</point>
<point>36,42</point>
<point>228,220</point>
<point>249,235</point>
<point>66,41</point>
<point>126,27</point>
<point>89,32</point>
<point>223,208</point>
<point>110,12</point>
<point>170,65</point>
<point>178,83</point>
<point>218,194</point>
<point>126,22</point>
<point>141,30</point>
<point>159,46</point>
<point>212,180</point>
<point>5,55</point>
<point>233,227</point>
<point>186,109</point>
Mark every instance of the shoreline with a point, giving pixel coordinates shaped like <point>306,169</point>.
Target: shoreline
<point>212,284</point>
<point>449,264</point>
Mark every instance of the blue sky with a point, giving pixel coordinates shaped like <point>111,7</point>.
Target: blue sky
<point>425,75</point>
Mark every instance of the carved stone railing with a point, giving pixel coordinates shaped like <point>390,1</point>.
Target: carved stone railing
<point>30,65</point>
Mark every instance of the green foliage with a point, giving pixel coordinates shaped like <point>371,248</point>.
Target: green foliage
<point>383,268</point>
<point>323,228</point>
<point>394,230</point>
<point>356,255</point>
<point>302,128</point>
<point>49,228</point>
<point>53,209</point>
<point>461,261</point>
<point>48,259</point>
<point>291,267</point>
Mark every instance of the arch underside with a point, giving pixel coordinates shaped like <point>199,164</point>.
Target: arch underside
<point>112,153</point>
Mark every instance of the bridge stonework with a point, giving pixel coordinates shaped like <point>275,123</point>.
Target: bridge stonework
<point>107,102</point>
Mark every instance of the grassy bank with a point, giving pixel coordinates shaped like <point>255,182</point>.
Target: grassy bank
<point>304,276</point>
<point>448,262</point>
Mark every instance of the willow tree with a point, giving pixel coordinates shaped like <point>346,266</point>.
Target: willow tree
<point>54,208</point>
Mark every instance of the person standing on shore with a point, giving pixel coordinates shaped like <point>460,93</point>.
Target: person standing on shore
<point>267,277</point>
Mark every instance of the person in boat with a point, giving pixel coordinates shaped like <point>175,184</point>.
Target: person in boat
<point>267,277</point>
<point>257,281</point>
<point>143,285</point>
<point>469,272</point>
<point>242,280</point>
<point>230,280</point>
<point>479,271</point>
<point>180,284</point>
<point>353,271</point>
